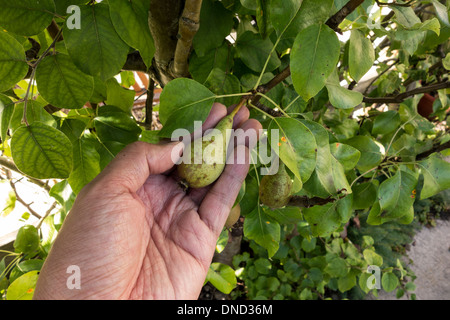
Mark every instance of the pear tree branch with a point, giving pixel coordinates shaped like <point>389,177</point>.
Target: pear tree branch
<point>189,24</point>
<point>399,98</point>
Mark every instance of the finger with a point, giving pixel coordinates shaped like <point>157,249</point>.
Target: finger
<point>218,111</point>
<point>240,117</point>
<point>135,163</point>
<point>217,203</point>
<point>247,134</point>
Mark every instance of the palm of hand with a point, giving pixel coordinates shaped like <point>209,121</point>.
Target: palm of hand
<point>135,233</point>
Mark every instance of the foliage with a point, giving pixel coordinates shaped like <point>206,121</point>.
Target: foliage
<point>353,147</point>
<point>335,267</point>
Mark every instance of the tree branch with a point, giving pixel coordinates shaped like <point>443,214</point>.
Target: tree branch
<point>163,21</point>
<point>8,164</point>
<point>438,148</point>
<point>189,24</point>
<point>149,103</point>
<point>305,202</point>
<point>18,198</point>
<point>394,4</point>
<point>339,16</point>
<point>404,95</point>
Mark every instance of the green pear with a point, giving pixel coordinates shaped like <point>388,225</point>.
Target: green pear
<point>275,190</point>
<point>208,156</point>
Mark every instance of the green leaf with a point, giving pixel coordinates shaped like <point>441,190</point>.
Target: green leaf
<point>386,122</point>
<point>9,204</point>
<point>372,258</point>
<point>344,207</point>
<point>96,48</point>
<point>282,12</point>
<point>118,96</point>
<point>441,12</point>
<point>432,25</point>
<point>336,267</point>
<point>371,152</point>
<point>314,56</point>
<point>361,55</point>
<point>309,245</point>
<point>296,146</point>
<point>201,67</point>
<point>311,12</point>
<point>86,163</point>
<point>25,267</point>
<point>285,215</point>
<point>250,199</point>
<point>263,18</point>
<point>13,64</point>
<point>215,25</point>
<point>117,127</point>
<point>27,239</point>
<point>364,195</point>
<point>347,156</point>
<point>35,112</point>
<point>406,16</point>
<point>62,84</point>
<point>184,101</point>
<point>130,19</point>
<point>328,177</point>
<point>250,4</point>
<point>23,287</point>
<point>263,265</point>
<point>341,97</point>
<point>436,174</point>
<point>100,91</point>
<point>323,219</point>
<point>6,112</point>
<point>254,50</point>
<point>222,277</point>
<point>347,282</point>
<point>26,17</point>
<point>396,195</point>
<point>389,281</point>
<point>263,229</point>
<point>42,152</point>
<point>222,83</point>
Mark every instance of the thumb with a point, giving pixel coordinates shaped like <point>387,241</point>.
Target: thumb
<point>136,162</point>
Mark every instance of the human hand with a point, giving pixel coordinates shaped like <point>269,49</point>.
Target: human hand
<point>135,233</point>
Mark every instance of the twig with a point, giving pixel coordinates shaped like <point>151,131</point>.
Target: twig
<point>379,75</point>
<point>339,16</point>
<point>47,213</point>
<point>18,198</point>
<point>438,148</point>
<point>7,164</point>
<point>188,26</point>
<point>149,103</point>
<point>394,4</point>
<point>404,95</point>
<point>305,202</point>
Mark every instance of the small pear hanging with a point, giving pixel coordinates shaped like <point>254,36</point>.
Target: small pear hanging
<point>275,190</point>
<point>208,156</point>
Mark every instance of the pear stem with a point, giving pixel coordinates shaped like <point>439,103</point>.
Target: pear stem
<point>239,106</point>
